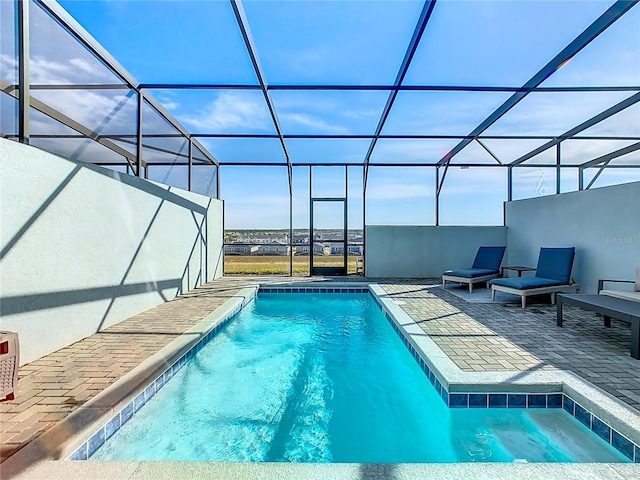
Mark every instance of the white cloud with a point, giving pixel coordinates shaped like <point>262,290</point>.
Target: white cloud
<point>169,105</point>
<point>9,68</point>
<point>71,71</point>
<point>361,113</point>
<point>93,109</point>
<point>310,121</point>
<point>230,111</point>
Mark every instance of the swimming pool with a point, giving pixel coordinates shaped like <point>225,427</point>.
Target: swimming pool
<point>316,377</point>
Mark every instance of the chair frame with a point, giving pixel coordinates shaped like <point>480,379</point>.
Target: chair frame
<point>523,293</point>
<point>528,292</point>
<point>469,280</point>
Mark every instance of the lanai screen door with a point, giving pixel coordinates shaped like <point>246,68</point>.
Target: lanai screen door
<point>328,236</point>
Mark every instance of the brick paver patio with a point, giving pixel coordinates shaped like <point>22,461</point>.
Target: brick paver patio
<point>476,336</point>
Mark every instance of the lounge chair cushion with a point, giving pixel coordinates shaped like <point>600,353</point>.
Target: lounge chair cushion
<point>555,264</point>
<point>471,272</point>
<point>489,258</point>
<point>525,283</point>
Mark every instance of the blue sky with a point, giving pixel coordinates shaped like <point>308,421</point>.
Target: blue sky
<point>483,43</point>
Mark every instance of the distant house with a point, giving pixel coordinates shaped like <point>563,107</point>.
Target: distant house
<point>318,249</point>
<point>351,249</point>
<point>237,250</point>
<point>336,249</point>
<point>271,250</point>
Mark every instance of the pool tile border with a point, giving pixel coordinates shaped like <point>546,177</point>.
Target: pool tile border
<point>553,400</point>
<point>116,422</point>
<point>453,400</point>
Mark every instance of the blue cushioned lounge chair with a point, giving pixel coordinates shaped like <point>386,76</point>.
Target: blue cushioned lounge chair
<point>485,267</point>
<point>553,274</point>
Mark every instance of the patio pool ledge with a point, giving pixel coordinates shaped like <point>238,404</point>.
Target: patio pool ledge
<point>43,458</point>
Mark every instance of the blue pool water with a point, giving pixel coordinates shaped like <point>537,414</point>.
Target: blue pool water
<point>324,378</point>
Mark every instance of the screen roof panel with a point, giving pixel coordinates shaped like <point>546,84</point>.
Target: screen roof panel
<point>626,122</point>
<point>440,113</point>
<point>426,152</point>
<point>249,150</point>
<point>553,113</point>
<point>328,112</point>
<point>576,152</point>
<point>508,150</point>
<point>57,58</point>
<point>83,149</point>
<point>320,42</point>
<point>8,51</point>
<point>169,41</point>
<point>632,158</point>
<point>496,42</point>
<point>218,111</point>
<point>107,112</point>
<point>328,150</point>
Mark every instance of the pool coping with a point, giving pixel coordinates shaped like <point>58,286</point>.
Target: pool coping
<point>81,425</point>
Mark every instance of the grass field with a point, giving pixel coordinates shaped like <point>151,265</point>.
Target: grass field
<point>280,264</point>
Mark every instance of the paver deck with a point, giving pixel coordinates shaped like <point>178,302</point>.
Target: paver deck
<point>477,337</point>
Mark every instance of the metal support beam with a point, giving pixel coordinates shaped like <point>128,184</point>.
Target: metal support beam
<point>558,177</point>
<point>118,136</point>
<point>24,97</point>
<point>509,184</point>
<point>437,196</point>
<point>218,173</point>
<point>489,151</point>
<point>291,234</point>
<point>139,135</point>
<point>190,168</point>
<point>444,175</point>
<point>81,86</point>
<point>427,9</point>
<point>633,99</point>
<point>243,23</point>
<point>580,179</point>
<point>595,177</point>
<point>364,228</point>
<point>346,221</point>
<point>590,33</point>
<point>604,160</point>
<point>419,88</point>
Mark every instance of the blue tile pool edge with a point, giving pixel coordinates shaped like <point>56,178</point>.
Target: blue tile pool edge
<point>511,399</point>
<point>106,431</point>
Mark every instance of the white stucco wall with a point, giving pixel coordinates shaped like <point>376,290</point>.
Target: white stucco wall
<point>603,224</point>
<point>84,247</point>
<point>425,251</point>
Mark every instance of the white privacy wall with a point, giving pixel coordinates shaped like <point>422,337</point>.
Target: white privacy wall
<point>425,251</point>
<point>603,224</point>
<point>84,247</point>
